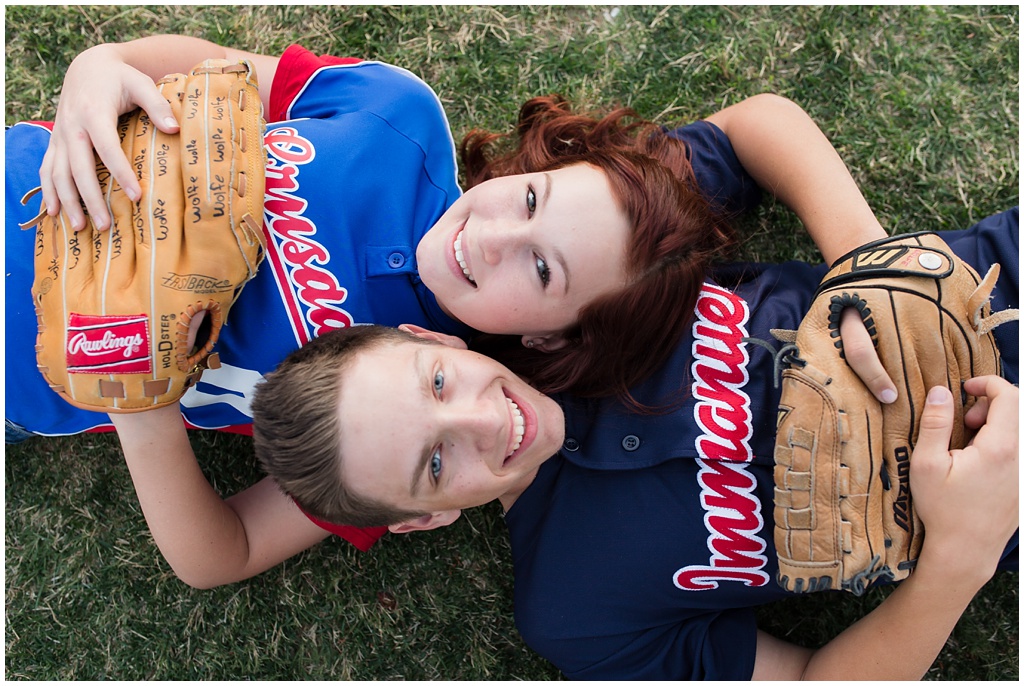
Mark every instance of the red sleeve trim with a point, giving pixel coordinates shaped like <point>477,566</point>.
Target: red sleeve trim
<point>296,67</point>
<point>363,539</point>
<point>241,429</point>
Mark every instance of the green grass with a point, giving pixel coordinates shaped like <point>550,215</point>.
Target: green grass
<point>922,103</point>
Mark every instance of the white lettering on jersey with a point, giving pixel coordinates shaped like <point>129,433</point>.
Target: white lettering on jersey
<point>237,383</point>
<point>298,261</point>
<point>732,513</point>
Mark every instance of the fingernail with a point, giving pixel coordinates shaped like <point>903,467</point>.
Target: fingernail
<point>170,121</point>
<point>938,396</point>
<point>888,396</point>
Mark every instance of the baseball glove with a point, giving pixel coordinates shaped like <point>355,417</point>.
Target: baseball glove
<point>844,516</point>
<point>115,307</point>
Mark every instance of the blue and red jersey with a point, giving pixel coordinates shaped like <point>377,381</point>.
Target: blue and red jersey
<point>361,163</point>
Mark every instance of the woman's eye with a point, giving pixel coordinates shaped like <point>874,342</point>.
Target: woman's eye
<point>435,464</point>
<point>438,382</point>
<point>543,272</point>
<point>531,200</point>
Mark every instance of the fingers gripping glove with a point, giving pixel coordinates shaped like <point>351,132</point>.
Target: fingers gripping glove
<point>844,516</point>
<point>114,307</point>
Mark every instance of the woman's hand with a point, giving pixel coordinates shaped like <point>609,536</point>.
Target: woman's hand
<point>968,498</point>
<point>102,83</point>
<point>863,358</point>
<point>98,87</point>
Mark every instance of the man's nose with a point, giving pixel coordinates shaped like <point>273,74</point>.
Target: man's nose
<point>480,421</point>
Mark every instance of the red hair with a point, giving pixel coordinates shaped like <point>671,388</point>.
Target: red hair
<point>622,338</point>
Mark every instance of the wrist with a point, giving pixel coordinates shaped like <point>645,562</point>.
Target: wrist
<point>954,565</point>
<point>149,422</point>
<point>106,51</point>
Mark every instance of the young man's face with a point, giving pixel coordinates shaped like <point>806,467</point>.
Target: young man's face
<point>434,428</point>
<point>524,254</point>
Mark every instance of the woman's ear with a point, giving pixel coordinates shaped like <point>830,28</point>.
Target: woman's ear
<point>419,331</point>
<point>426,522</point>
<point>546,344</point>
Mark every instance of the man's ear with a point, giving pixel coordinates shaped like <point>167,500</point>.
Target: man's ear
<point>426,522</point>
<point>546,344</point>
<point>451,341</point>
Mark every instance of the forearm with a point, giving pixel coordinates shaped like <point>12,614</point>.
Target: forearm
<point>967,535</point>
<point>900,639</point>
<point>159,55</point>
<point>199,535</point>
<point>788,155</point>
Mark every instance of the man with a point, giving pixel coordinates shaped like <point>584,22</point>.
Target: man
<point>616,573</point>
<point>643,545</point>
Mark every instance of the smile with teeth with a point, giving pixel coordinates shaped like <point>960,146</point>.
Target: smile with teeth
<point>518,427</point>
<point>460,260</point>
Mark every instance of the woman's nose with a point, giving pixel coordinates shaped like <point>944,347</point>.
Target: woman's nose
<point>497,241</point>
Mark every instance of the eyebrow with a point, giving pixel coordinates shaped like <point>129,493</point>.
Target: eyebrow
<point>559,257</point>
<point>428,450</point>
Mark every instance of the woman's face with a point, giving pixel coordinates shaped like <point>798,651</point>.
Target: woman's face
<point>524,254</point>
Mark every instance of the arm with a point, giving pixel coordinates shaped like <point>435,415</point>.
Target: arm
<point>106,81</point>
<point>787,154</point>
<point>206,540</point>
<point>782,148</point>
<point>966,536</point>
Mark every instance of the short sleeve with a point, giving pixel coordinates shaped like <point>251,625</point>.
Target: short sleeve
<point>294,71</point>
<point>363,539</point>
<point>721,178</point>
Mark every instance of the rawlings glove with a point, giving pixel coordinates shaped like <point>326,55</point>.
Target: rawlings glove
<point>115,307</point>
<point>844,516</point>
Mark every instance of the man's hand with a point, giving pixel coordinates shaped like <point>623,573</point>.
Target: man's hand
<point>968,499</point>
<point>98,87</point>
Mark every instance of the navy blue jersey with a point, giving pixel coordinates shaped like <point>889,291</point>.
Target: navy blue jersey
<point>643,547</point>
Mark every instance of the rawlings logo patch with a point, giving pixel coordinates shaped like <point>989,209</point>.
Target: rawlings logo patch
<point>108,344</point>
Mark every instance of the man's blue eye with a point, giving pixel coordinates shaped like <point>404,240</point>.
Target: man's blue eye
<point>531,200</point>
<point>438,382</point>
<point>435,464</point>
<point>543,272</point>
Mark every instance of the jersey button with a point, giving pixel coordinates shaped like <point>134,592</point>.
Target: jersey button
<point>571,444</point>
<point>630,443</point>
<point>396,260</point>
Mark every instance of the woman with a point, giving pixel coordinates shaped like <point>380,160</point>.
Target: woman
<point>341,258</point>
